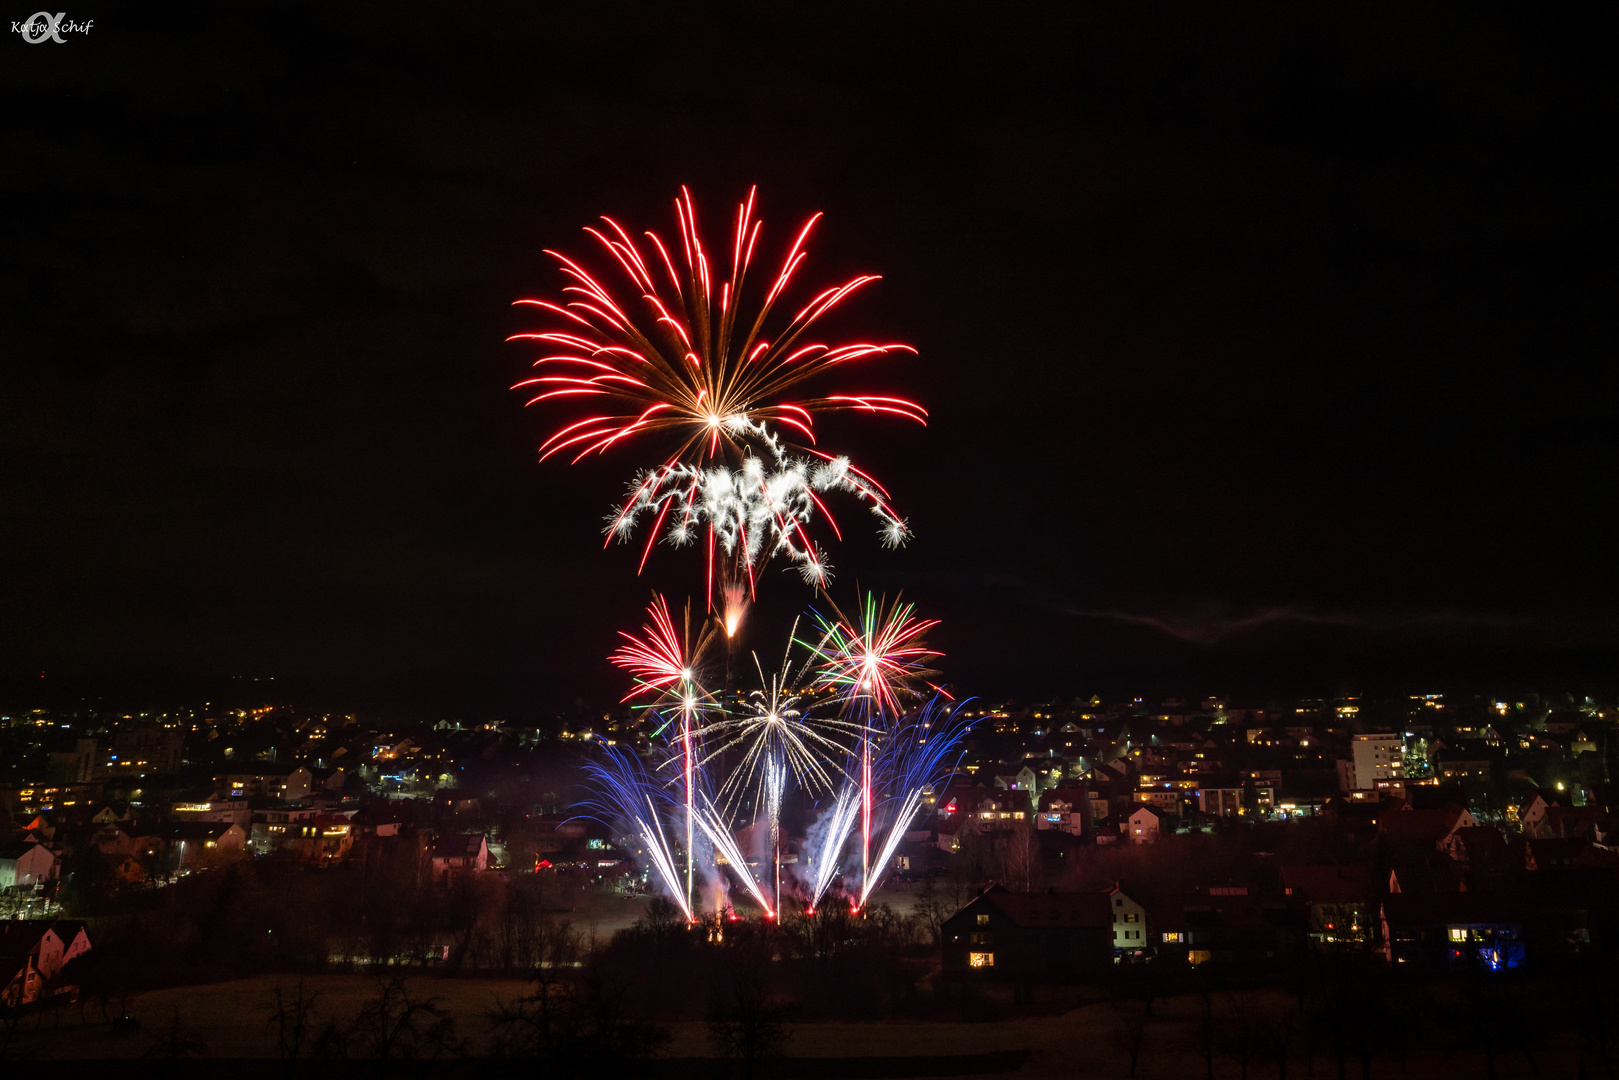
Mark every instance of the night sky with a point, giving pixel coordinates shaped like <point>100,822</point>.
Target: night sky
<point>1263,350</point>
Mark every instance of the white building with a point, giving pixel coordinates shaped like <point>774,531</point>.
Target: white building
<point>1143,825</point>
<point>1378,756</point>
<point>25,864</point>
<point>1129,923</point>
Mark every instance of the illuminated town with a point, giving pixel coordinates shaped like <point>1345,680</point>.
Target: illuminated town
<point>1030,540</point>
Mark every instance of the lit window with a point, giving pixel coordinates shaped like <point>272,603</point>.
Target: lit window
<point>981,959</point>
<point>1458,934</point>
<point>983,920</point>
<point>1171,937</point>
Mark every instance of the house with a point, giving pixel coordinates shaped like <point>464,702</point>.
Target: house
<point>1460,930</point>
<point>144,750</point>
<point>1226,924</point>
<point>330,780</point>
<point>1220,799</point>
<point>76,766</point>
<point>996,809</point>
<point>378,821</point>
<point>196,845</point>
<point>1533,814</point>
<point>456,801</point>
<point>215,810</point>
<point>124,837</point>
<point>1378,756</point>
<point>1337,899</point>
<point>1063,809</point>
<point>1570,822</point>
<point>948,832</point>
<point>1023,780</point>
<point>33,952</point>
<point>26,864</point>
<point>112,812</point>
<point>20,980</point>
<point>1428,827</point>
<point>1164,798</point>
<point>286,782</point>
<point>460,853</point>
<point>1558,853</point>
<point>1002,935</point>
<point>1131,934</point>
<point>334,836</point>
<point>278,827</point>
<point>133,850</point>
<point>1144,825</point>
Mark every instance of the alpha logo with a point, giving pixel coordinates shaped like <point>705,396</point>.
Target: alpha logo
<point>42,26</point>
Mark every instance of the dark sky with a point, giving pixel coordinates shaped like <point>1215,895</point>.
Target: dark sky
<point>1262,349</point>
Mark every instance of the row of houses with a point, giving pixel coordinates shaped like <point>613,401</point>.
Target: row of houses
<point>124,847</point>
<point>1434,889</point>
<point>34,954</point>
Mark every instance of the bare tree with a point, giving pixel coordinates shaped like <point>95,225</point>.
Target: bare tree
<point>331,1042</point>
<point>932,908</point>
<point>1130,1035</point>
<point>573,1024</point>
<point>396,1025</point>
<point>1281,1035</point>
<point>749,1025</point>
<point>1020,861</point>
<point>176,1042</point>
<point>1203,1038</point>
<point>292,1016</point>
<point>1243,1037</point>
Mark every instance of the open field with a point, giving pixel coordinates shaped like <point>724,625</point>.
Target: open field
<point>1081,1042</point>
<point>600,914</point>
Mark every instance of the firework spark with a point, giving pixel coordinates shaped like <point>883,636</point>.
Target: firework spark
<point>878,659</point>
<point>776,728</point>
<point>871,663</point>
<point>719,835</point>
<point>912,759</point>
<point>678,350</point>
<point>825,857</point>
<point>664,663</point>
<point>738,767</point>
<point>629,798</point>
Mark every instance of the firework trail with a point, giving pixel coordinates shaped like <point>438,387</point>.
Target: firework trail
<point>879,658</point>
<point>916,755</point>
<point>775,739</point>
<point>824,851</point>
<point>663,664</point>
<point>735,606</point>
<point>630,800</point>
<point>737,767</point>
<point>871,663</point>
<point>776,728</point>
<point>714,827</point>
<point>675,349</point>
<point>775,792</point>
